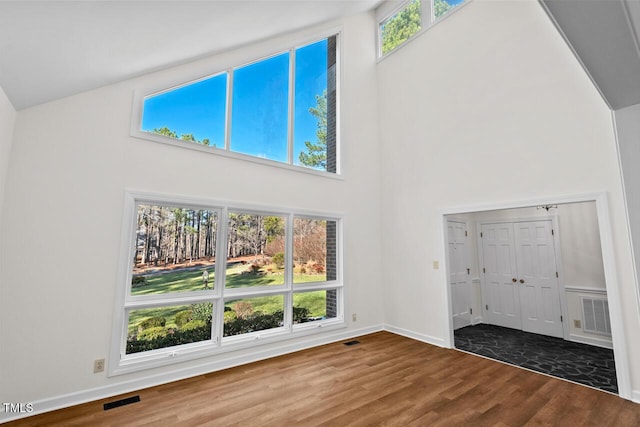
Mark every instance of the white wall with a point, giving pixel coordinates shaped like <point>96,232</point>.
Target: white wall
<point>72,161</point>
<point>489,107</point>
<point>7,120</point>
<point>628,133</point>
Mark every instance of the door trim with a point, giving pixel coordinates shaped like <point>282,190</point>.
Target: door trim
<point>608,260</point>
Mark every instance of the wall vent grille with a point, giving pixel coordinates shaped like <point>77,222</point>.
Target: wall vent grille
<point>595,316</point>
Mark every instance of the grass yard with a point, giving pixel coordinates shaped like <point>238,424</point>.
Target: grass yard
<point>237,276</point>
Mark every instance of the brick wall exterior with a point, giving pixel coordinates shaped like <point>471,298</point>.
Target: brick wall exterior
<point>332,268</point>
<point>331,105</point>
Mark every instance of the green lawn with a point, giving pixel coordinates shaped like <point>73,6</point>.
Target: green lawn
<point>191,280</point>
<point>237,277</point>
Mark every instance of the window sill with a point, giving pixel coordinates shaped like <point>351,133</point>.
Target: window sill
<point>233,155</point>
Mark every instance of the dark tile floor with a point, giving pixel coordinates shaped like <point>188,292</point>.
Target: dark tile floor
<point>581,363</point>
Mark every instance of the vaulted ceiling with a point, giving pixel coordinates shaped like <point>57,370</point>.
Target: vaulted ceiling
<point>52,49</point>
<point>604,35</point>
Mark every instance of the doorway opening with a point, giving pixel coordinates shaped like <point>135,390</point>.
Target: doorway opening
<point>537,272</point>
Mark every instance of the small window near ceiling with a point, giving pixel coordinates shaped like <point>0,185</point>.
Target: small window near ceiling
<point>412,17</point>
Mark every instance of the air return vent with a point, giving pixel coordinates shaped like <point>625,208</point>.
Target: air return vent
<point>595,313</point>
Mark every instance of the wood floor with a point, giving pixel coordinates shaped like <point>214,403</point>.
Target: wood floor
<point>385,380</point>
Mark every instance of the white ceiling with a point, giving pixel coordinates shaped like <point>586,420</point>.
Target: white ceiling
<point>605,36</point>
<point>52,49</point>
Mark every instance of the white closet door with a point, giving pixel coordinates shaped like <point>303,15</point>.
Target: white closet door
<point>501,289</point>
<point>536,267</point>
<point>458,274</point>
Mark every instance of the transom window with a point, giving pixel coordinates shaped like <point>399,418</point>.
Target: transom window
<point>414,15</point>
<point>202,278</point>
<point>279,109</point>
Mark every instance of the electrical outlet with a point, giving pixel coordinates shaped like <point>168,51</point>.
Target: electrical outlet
<point>98,366</point>
<point>354,317</point>
<point>577,324</point>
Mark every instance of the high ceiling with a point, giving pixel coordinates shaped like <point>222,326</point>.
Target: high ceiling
<point>52,49</point>
<point>604,34</point>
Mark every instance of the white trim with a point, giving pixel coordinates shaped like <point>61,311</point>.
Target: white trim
<point>608,259</point>
<point>635,396</point>
<point>590,341</point>
<point>428,339</point>
<point>579,289</point>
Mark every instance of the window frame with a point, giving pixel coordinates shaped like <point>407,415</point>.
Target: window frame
<point>204,72</point>
<point>388,9</point>
<point>125,302</point>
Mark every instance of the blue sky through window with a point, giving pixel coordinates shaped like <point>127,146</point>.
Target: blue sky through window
<point>197,108</point>
<point>311,80</point>
<point>259,109</point>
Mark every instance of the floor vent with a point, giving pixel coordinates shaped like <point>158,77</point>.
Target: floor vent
<point>595,312</point>
<point>121,402</point>
<point>354,342</point>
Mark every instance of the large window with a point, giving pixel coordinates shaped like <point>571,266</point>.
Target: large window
<point>201,277</point>
<point>279,109</point>
<point>414,15</point>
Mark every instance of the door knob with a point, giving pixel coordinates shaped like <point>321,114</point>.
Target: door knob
<point>514,280</point>
<point>521,281</point>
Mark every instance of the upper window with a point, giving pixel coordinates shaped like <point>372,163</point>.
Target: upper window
<point>414,15</point>
<point>201,278</point>
<point>281,108</point>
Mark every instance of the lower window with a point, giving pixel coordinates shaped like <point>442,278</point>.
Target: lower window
<point>200,278</point>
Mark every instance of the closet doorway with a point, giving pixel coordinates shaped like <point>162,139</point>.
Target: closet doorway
<point>540,267</point>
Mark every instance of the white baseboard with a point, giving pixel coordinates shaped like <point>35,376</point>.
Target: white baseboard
<point>635,396</point>
<point>103,392</point>
<point>415,335</point>
<point>591,341</point>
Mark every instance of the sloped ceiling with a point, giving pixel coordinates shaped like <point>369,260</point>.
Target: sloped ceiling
<point>52,49</point>
<point>604,36</point>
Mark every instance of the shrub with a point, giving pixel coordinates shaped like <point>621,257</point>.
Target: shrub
<point>254,322</point>
<point>202,311</point>
<point>243,308</point>
<point>278,259</point>
<point>198,333</point>
<point>183,317</point>
<point>230,316</point>
<point>152,322</point>
<point>255,268</point>
<point>300,314</point>
<point>194,325</point>
<point>319,268</point>
<point>137,281</point>
<point>153,333</point>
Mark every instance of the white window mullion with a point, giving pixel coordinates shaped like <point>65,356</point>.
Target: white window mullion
<point>221,272</point>
<point>427,13</point>
<point>288,253</point>
<point>227,131</point>
<point>292,101</point>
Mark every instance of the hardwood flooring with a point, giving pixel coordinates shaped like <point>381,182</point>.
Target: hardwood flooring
<point>385,380</point>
